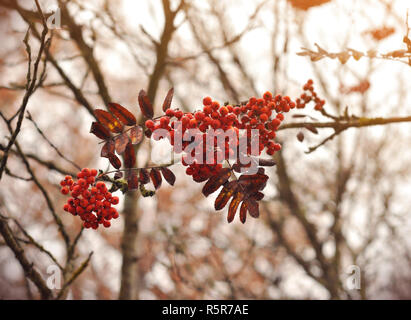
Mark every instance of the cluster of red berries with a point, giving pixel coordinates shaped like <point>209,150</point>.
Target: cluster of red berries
<point>263,114</point>
<point>90,200</point>
<point>309,96</point>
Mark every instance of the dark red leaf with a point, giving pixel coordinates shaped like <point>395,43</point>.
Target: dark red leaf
<point>225,194</point>
<point>266,162</point>
<point>168,99</point>
<point>145,104</point>
<point>216,181</point>
<point>155,178</point>
<point>114,160</point>
<point>129,156</point>
<point>300,136</point>
<point>121,142</point>
<point>252,183</point>
<point>243,211</point>
<point>144,177</point>
<point>99,130</point>
<point>257,196</point>
<point>108,149</point>
<point>168,175</point>
<point>132,180</point>
<point>253,208</point>
<point>311,128</point>
<point>136,134</point>
<point>125,116</point>
<point>232,209</point>
<point>108,120</point>
<point>118,175</point>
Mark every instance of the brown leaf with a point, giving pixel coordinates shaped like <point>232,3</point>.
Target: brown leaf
<point>216,181</point>
<point>168,99</point>
<point>145,104</point>
<point>232,209</point>
<point>125,116</point>
<point>136,134</point>
<point>121,142</point>
<point>254,182</point>
<point>311,128</point>
<point>253,208</point>
<point>129,156</point>
<point>243,211</point>
<point>225,194</point>
<point>300,136</point>
<point>144,177</point>
<point>266,162</point>
<point>114,160</point>
<point>118,175</point>
<point>108,120</point>
<point>257,196</point>
<point>132,180</point>
<point>99,130</point>
<point>108,149</point>
<point>168,175</point>
<point>155,178</point>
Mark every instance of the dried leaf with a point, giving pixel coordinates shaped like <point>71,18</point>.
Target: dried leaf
<point>168,99</point>
<point>144,176</point>
<point>108,149</point>
<point>99,130</point>
<point>155,178</point>
<point>129,156</point>
<point>121,142</point>
<point>266,162</point>
<point>118,175</point>
<point>216,181</point>
<point>253,208</point>
<point>145,104</point>
<point>300,136</point>
<point>136,134</point>
<point>243,211</point>
<point>311,128</point>
<point>125,116</point>
<point>254,182</point>
<point>232,209</point>
<point>225,194</point>
<point>168,175</point>
<point>108,120</point>
<point>114,160</point>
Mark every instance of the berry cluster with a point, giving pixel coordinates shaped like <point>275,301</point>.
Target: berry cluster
<point>90,200</point>
<point>264,114</point>
<point>308,96</point>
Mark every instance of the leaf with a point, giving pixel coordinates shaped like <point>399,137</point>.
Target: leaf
<point>108,120</point>
<point>232,209</point>
<point>216,181</point>
<point>168,99</point>
<point>121,142</point>
<point>225,194</point>
<point>132,180</point>
<point>129,156</point>
<point>125,116</point>
<point>144,177</point>
<point>168,175</point>
<point>155,178</point>
<point>300,136</point>
<point>145,104</point>
<point>253,208</point>
<point>136,134</point>
<point>266,162</point>
<point>243,211</point>
<point>254,182</point>
<point>108,149</point>
<point>257,196</point>
<point>99,130</point>
<point>114,160</point>
<point>118,175</point>
<point>311,128</point>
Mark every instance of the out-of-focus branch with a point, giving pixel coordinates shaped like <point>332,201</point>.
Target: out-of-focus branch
<point>27,266</point>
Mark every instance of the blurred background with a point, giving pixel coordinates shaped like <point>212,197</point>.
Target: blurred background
<point>345,204</point>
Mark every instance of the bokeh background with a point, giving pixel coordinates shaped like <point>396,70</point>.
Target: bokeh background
<point>347,203</point>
